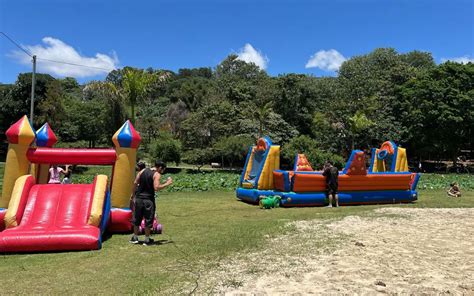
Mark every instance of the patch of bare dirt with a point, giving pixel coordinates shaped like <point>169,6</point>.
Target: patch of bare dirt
<point>394,251</point>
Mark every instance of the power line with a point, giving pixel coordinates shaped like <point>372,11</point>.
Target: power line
<point>73,64</point>
<point>53,61</point>
<point>34,70</point>
<point>17,45</point>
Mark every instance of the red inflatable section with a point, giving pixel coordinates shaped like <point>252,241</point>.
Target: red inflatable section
<point>55,219</point>
<point>120,220</point>
<point>72,156</point>
<point>357,166</point>
<point>2,215</point>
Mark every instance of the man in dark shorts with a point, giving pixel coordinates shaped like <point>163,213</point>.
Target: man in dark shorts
<point>332,175</point>
<point>146,184</point>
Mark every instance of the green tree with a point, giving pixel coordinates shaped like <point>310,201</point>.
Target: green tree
<point>308,146</point>
<point>437,106</point>
<point>233,68</point>
<point>233,149</point>
<point>261,114</point>
<point>51,108</point>
<point>5,117</point>
<point>85,122</point>
<point>198,157</point>
<point>419,59</point>
<point>175,116</point>
<point>238,80</point>
<point>166,148</point>
<point>296,101</point>
<point>328,131</point>
<point>114,114</point>
<point>151,118</point>
<point>359,123</point>
<point>135,85</point>
<point>16,101</point>
<point>195,72</point>
<point>271,124</point>
<point>193,92</point>
<point>370,83</point>
<point>210,122</point>
<point>70,85</point>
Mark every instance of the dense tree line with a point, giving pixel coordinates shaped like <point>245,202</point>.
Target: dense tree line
<point>202,115</point>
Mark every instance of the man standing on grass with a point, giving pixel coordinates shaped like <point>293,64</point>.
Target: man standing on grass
<point>332,175</point>
<point>146,184</point>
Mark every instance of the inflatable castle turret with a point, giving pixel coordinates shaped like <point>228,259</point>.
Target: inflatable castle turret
<point>45,137</point>
<point>126,141</point>
<point>20,136</point>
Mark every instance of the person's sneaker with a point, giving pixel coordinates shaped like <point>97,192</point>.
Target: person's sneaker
<point>148,242</point>
<point>134,240</point>
<point>330,206</point>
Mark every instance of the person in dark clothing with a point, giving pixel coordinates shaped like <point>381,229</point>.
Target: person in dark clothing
<point>146,184</point>
<point>332,175</point>
<point>139,168</point>
<point>454,190</point>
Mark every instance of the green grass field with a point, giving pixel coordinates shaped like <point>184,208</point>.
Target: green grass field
<point>200,230</point>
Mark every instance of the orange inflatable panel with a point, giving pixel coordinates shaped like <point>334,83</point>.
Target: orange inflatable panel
<point>308,182</point>
<point>282,180</point>
<point>279,180</point>
<point>317,182</point>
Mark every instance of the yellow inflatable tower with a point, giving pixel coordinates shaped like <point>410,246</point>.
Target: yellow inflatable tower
<point>262,160</point>
<point>389,158</point>
<point>126,141</point>
<point>20,136</point>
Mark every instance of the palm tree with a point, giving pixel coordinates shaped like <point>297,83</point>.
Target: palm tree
<point>135,84</point>
<point>114,99</point>
<point>359,123</point>
<point>261,114</point>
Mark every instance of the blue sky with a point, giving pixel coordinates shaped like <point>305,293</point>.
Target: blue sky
<point>282,36</point>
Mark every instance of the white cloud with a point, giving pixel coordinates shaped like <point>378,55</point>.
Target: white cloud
<point>57,50</point>
<point>462,60</point>
<point>251,55</point>
<point>327,60</point>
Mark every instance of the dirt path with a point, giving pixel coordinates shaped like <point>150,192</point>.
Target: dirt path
<point>396,250</point>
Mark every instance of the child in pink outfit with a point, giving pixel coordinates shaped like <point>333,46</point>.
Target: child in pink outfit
<point>55,172</point>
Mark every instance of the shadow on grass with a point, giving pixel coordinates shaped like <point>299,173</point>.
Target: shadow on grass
<point>156,242</point>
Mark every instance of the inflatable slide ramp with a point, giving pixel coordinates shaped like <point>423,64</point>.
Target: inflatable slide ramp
<point>55,217</point>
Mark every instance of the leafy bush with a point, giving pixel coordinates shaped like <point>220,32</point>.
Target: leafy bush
<point>234,148</point>
<point>166,148</point>
<point>441,181</point>
<point>86,174</point>
<point>308,146</point>
<point>198,157</point>
<point>215,181</point>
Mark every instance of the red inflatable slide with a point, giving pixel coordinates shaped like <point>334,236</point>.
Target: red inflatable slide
<point>56,217</point>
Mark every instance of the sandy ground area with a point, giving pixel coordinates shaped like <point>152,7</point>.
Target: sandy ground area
<point>392,251</point>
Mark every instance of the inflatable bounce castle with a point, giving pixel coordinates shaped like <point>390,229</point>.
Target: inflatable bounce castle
<point>37,216</point>
<point>387,180</point>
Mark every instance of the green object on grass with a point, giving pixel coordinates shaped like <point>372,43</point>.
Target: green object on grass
<point>269,202</point>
